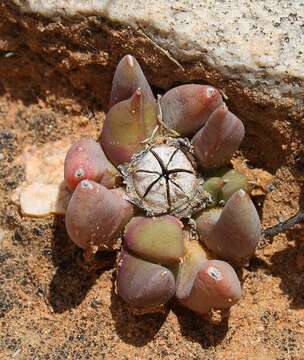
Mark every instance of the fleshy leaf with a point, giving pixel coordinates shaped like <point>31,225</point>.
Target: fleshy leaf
<point>127,79</point>
<point>193,260</point>
<point>143,284</point>
<point>187,108</point>
<point>95,216</point>
<point>233,233</point>
<point>216,286</point>
<point>126,126</point>
<point>206,221</point>
<point>216,142</point>
<point>156,239</point>
<point>234,181</point>
<point>214,186</point>
<point>86,160</point>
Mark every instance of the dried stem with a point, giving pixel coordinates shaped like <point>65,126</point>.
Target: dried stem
<point>284,225</point>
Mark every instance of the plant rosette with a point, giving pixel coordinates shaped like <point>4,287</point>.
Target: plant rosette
<point>159,178</point>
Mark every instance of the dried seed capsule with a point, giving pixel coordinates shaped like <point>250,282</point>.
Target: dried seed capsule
<point>86,160</point>
<point>158,240</point>
<point>233,233</point>
<point>214,186</point>
<point>143,284</point>
<point>216,286</point>
<point>163,179</point>
<point>216,142</point>
<point>95,216</point>
<point>187,108</point>
<point>194,257</point>
<point>127,79</point>
<point>234,181</point>
<point>127,124</point>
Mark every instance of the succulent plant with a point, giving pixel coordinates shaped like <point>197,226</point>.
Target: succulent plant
<point>182,206</point>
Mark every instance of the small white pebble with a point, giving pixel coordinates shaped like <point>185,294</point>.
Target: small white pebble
<point>16,353</point>
<point>38,199</point>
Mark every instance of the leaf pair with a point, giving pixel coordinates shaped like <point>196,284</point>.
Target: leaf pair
<point>158,263</point>
<point>190,110</point>
<point>132,116</point>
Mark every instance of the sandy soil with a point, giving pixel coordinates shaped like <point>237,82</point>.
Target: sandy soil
<point>53,307</point>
